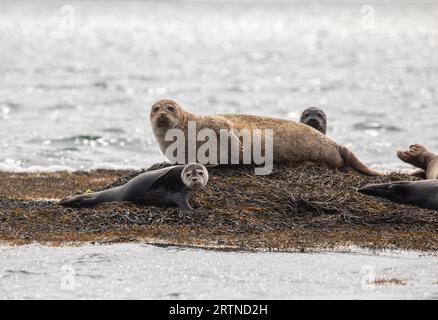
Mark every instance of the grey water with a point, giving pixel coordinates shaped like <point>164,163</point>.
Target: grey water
<point>77,82</point>
<point>133,271</point>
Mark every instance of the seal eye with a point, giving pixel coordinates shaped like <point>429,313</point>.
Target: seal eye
<point>188,175</point>
<point>156,109</point>
<point>201,173</point>
<point>171,109</point>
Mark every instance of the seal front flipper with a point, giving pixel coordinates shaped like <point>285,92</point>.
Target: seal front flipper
<point>182,200</point>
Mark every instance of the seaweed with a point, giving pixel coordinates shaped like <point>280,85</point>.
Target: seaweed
<point>310,207</point>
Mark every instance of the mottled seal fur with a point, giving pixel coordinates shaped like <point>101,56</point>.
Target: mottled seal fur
<point>294,142</point>
<point>167,187</point>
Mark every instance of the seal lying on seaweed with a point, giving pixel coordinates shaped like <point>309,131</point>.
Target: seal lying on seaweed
<point>167,187</point>
<point>293,142</point>
<point>423,193</point>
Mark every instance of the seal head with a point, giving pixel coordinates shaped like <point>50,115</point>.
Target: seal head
<point>315,118</point>
<point>166,114</point>
<point>194,176</point>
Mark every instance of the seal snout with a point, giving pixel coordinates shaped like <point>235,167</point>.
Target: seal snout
<point>196,184</point>
<point>163,119</point>
<point>314,122</point>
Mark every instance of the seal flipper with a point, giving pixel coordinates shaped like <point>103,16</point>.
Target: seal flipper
<point>352,161</point>
<point>182,200</point>
<point>82,200</point>
<point>432,169</point>
<point>386,190</point>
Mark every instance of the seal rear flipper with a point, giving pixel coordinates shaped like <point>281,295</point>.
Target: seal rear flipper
<point>352,161</point>
<point>83,200</point>
<point>385,190</point>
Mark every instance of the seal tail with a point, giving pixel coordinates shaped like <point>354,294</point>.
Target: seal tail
<point>386,190</point>
<point>352,161</point>
<point>82,200</point>
<point>377,190</point>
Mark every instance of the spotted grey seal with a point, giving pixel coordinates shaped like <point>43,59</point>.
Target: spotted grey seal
<point>167,187</point>
<point>293,142</point>
<point>316,118</point>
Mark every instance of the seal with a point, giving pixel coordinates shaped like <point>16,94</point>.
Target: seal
<point>418,156</point>
<point>166,115</point>
<point>316,118</point>
<point>293,142</point>
<point>422,194</point>
<point>167,187</point>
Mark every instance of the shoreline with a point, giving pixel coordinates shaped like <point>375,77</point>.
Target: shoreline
<point>305,209</point>
<point>352,249</point>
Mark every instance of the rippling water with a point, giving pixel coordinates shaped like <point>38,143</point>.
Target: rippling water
<point>76,93</point>
<point>139,271</point>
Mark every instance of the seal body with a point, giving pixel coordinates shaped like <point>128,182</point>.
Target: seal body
<point>423,193</point>
<point>293,142</point>
<point>418,156</point>
<point>316,118</point>
<point>167,187</point>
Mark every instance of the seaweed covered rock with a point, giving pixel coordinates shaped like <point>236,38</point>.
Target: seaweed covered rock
<point>305,208</point>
